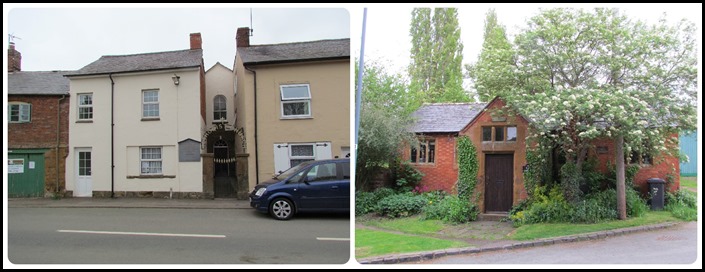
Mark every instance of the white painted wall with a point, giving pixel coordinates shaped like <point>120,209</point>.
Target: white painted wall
<point>179,119</point>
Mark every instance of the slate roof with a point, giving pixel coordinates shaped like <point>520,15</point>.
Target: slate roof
<point>37,83</point>
<point>142,62</point>
<point>445,117</point>
<point>292,52</point>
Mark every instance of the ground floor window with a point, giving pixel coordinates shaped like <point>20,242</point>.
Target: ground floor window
<point>426,152</point>
<point>151,160</point>
<point>287,155</point>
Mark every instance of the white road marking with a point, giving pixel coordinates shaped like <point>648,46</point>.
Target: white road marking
<point>144,233</point>
<point>332,239</point>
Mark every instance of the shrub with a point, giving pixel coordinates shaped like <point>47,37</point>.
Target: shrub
<point>400,205</point>
<point>434,196</point>
<point>406,177</point>
<point>570,182</point>
<point>452,209</point>
<point>545,209</point>
<point>596,207</point>
<point>364,202</point>
<point>682,204</point>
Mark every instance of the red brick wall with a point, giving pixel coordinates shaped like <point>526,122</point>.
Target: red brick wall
<point>442,174</point>
<point>40,132</point>
<point>662,166</point>
<point>517,148</point>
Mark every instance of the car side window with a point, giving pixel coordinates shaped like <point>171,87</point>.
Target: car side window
<point>346,169</point>
<point>296,177</point>
<point>322,172</point>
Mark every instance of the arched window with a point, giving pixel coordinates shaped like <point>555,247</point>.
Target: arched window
<point>219,109</point>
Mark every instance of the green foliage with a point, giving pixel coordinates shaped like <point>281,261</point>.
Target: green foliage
<point>551,207</point>
<point>571,178</point>
<point>384,121</point>
<point>538,161</point>
<point>468,168</point>
<point>436,56</point>
<point>406,176</point>
<point>451,209</point>
<point>629,174</point>
<point>497,58</point>
<point>594,180</point>
<point>366,202</point>
<point>686,198</point>
<point>401,205</point>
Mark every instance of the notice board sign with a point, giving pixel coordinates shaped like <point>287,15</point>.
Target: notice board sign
<point>15,166</point>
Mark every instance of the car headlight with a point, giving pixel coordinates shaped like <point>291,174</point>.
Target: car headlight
<point>260,191</point>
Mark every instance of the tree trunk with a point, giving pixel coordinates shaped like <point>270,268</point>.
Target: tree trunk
<point>621,187</point>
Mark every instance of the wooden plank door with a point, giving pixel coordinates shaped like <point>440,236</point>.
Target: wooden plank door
<point>499,182</point>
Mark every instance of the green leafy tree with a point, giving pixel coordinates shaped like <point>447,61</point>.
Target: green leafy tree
<point>384,122</point>
<point>584,75</point>
<point>497,56</point>
<point>436,56</point>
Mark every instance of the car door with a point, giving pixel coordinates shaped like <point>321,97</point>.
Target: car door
<point>319,187</point>
<point>343,191</point>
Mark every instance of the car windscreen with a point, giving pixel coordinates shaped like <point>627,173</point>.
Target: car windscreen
<point>291,171</point>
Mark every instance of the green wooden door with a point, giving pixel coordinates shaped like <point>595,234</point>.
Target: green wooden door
<point>25,171</point>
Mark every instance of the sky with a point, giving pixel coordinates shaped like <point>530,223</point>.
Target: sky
<point>53,37</point>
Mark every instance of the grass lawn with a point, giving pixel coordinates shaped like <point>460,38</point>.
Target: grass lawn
<point>375,243</point>
<point>537,231</point>
<point>689,182</point>
<point>411,225</point>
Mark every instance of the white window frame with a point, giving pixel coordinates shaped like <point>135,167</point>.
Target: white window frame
<point>293,157</point>
<point>148,160</point>
<point>84,106</point>
<point>291,100</point>
<point>21,106</point>
<point>223,112</point>
<point>150,103</point>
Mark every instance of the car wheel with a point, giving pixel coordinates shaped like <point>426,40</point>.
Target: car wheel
<point>281,209</point>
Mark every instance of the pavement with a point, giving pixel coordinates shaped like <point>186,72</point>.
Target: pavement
<point>157,203</point>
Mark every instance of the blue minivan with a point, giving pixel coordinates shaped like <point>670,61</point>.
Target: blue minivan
<point>314,186</point>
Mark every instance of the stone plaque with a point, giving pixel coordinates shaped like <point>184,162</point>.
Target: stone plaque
<point>189,151</point>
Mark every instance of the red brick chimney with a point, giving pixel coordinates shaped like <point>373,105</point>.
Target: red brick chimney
<point>243,37</point>
<point>14,59</point>
<point>196,41</point>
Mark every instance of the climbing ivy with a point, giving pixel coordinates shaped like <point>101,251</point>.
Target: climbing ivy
<point>468,168</point>
<point>538,164</point>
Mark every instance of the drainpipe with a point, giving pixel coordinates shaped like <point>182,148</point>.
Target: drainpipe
<point>256,149</point>
<point>58,138</point>
<point>112,136</point>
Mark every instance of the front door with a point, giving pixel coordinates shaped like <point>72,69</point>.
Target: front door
<point>222,176</point>
<point>499,182</point>
<point>84,178</point>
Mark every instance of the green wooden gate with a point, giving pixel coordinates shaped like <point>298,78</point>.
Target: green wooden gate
<point>25,172</point>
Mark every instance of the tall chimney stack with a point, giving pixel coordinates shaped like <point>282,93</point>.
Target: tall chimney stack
<point>243,37</point>
<point>196,41</point>
<point>14,59</point>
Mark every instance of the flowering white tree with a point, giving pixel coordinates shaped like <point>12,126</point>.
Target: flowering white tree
<point>579,76</point>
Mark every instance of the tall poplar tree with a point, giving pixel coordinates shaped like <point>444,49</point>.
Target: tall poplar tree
<point>436,56</point>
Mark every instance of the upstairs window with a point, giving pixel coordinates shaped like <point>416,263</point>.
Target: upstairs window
<point>219,109</point>
<point>499,134</point>
<point>295,101</point>
<point>150,104</point>
<point>85,107</point>
<point>19,112</point>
